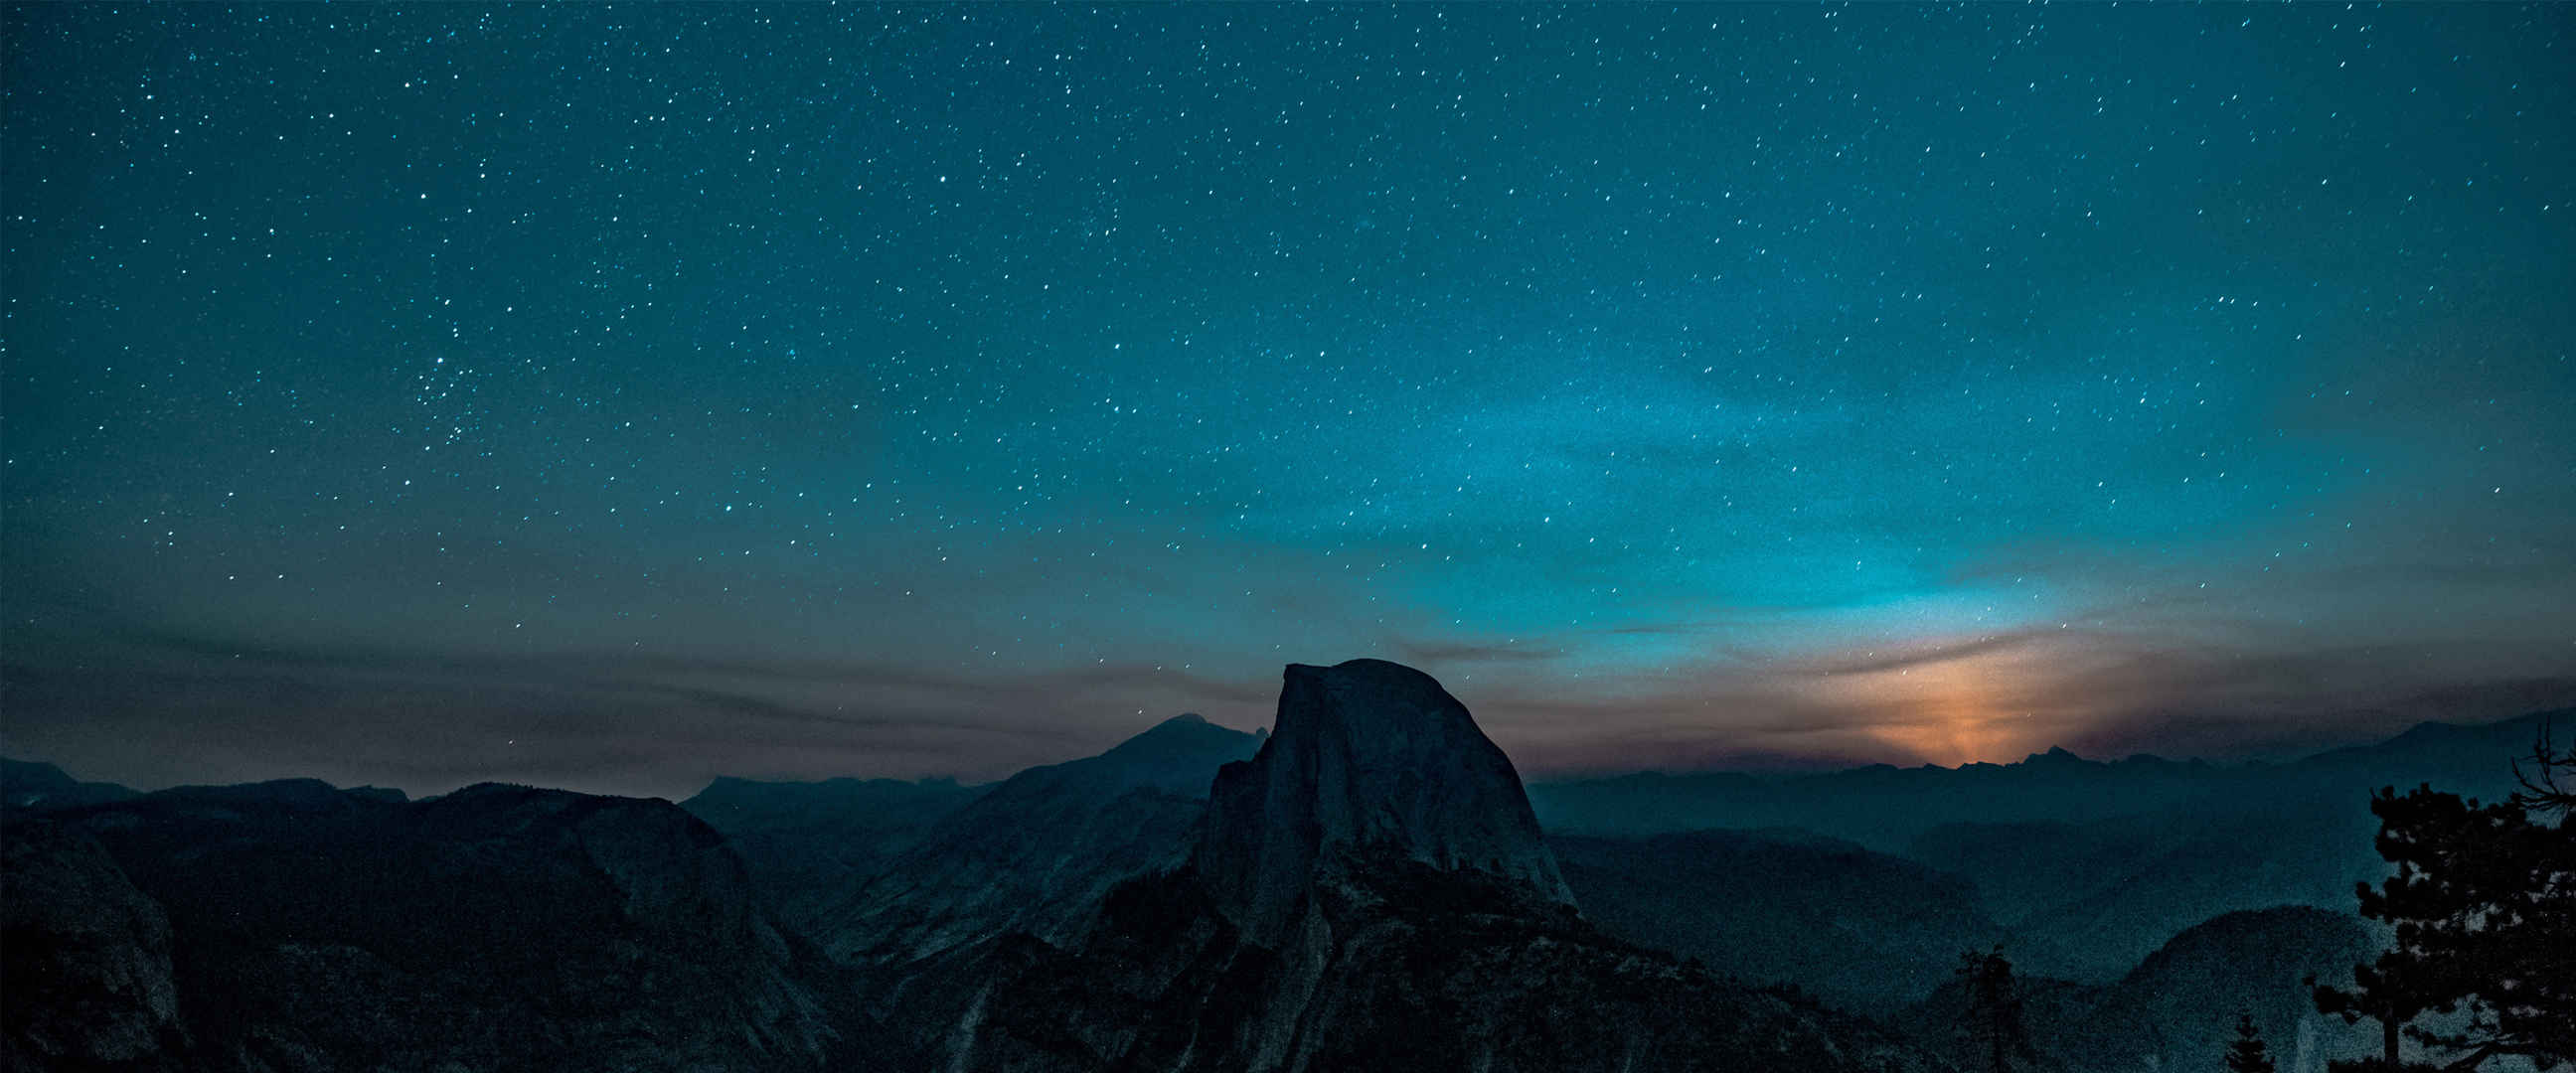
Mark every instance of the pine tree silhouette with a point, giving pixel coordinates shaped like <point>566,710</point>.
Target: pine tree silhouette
<point>2483,908</point>
<point>2247,1054</point>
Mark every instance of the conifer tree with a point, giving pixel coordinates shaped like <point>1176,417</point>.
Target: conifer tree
<point>2247,1054</point>
<point>2483,908</point>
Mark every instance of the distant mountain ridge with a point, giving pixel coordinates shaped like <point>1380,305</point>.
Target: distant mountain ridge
<point>27,784</point>
<point>1886,807</point>
<point>2087,866</point>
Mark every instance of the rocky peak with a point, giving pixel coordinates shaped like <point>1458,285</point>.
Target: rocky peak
<point>1181,737</point>
<point>1368,760</point>
<point>1173,757</point>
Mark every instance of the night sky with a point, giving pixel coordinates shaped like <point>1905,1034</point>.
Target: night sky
<point>613,397</point>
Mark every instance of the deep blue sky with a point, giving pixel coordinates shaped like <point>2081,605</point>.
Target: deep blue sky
<point>616,396</point>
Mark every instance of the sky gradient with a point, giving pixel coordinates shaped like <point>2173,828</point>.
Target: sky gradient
<point>614,397</point>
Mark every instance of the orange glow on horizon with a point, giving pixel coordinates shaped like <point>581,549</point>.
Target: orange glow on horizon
<point>1949,712</point>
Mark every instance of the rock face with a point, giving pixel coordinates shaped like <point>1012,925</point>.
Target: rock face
<point>1369,761</point>
<point>87,970</point>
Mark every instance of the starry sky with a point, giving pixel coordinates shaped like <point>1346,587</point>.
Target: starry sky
<point>616,396</point>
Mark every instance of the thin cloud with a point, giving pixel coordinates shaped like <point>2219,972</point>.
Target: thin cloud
<point>1436,652</point>
<point>1878,663</point>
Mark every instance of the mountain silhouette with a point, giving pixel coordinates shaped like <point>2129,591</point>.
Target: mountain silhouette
<point>1369,760</point>
<point>1369,892</point>
<point>1367,886</point>
<point>1037,852</point>
<point>26,784</point>
<point>1886,808</point>
<point>2088,866</point>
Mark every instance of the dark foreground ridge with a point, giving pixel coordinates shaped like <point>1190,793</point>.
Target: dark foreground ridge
<point>288,926</point>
